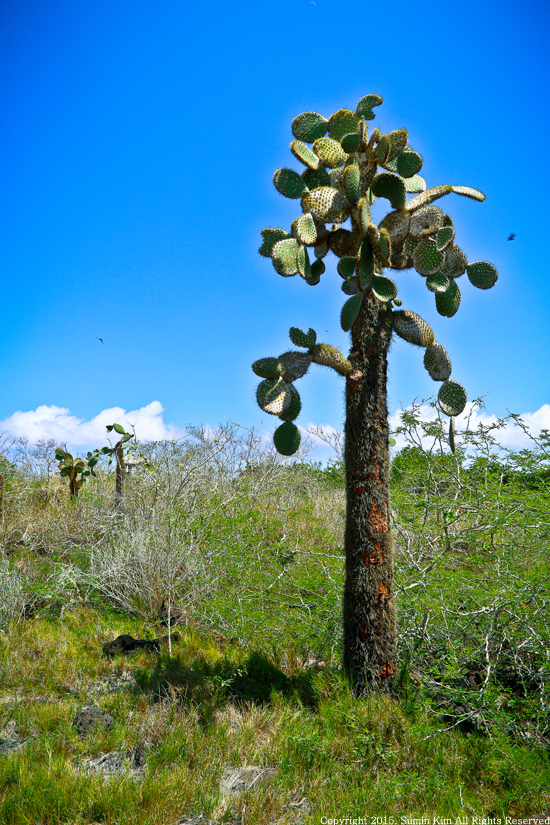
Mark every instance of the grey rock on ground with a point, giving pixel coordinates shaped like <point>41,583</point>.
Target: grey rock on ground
<point>116,763</point>
<point>10,741</point>
<point>91,716</point>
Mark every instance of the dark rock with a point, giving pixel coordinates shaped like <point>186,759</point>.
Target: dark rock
<point>127,644</point>
<point>91,716</point>
<point>110,764</point>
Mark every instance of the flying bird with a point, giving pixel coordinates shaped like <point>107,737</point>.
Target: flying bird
<point>512,236</point>
<point>99,339</point>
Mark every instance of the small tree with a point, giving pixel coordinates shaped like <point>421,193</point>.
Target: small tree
<point>344,174</point>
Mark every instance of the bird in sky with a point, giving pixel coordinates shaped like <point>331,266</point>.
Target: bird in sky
<point>99,339</point>
<point>512,236</point>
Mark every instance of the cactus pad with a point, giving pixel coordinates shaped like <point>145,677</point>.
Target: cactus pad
<point>426,221</point>
<point>267,368</point>
<point>350,311</point>
<point>321,249</point>
<point>398,141</point>
<point>412,328</point>
<point>330,356</point>
<point>351,183</point>
<point>448,302</point>
<point>302,339</point>
<point>408,163</point>
<point>482,274</point>
<point>289,183</point>
<point>427,197</point>
<point>397,226</point>
<point>383,288</point>
<point>302,262</point>
<point>438,282</point>
<point>294,365</point>
<point>366,105</point>
<point>309,126</point>
<point>341,242</point>
<point>351,143</point>
<point>350,286</point>
<point>284,256</point>
<point>437,362</point>
<point>304,154</point>
<point>390,186</point>
<point>444,238</point>
<point>317,269</point>
<point>327,204</point>
<point>426,258</point>
<point>415,184</point>
<point>273,396</point>
<point>271,236</point>
<point>346,266</point>
<point>329,152</point>
<point>452,398</point>
<point>295,406</point>
<point>287,438</point>
<point>455,262</point>
<point>314,178</point>
<point>304,229</point>
<point>469,192</point>
<point>365,265</point>
<point>342,123</point>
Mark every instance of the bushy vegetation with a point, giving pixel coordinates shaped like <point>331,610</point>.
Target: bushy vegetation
<point>250,546</point>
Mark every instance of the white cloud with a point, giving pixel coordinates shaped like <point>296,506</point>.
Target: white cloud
<point>57,423</point>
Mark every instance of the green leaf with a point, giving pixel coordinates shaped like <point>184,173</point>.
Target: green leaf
<point>105,450</point>
<point>118,428</point>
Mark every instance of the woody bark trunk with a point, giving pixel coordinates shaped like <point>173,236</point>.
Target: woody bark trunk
<point>369,611</point>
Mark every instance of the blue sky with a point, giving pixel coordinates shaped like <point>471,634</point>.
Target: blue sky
<point>138,144</point>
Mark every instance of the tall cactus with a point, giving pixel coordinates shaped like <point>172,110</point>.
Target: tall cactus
<point>345,172</point>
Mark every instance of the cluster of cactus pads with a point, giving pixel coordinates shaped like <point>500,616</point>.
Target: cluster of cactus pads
<point>344,173</point>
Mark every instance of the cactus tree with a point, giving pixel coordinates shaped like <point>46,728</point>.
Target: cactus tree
<point>342,174</point>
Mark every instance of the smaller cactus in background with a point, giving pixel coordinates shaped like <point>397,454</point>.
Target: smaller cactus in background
<point>77,470</point>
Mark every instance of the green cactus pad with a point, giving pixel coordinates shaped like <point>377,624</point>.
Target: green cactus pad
<point>390,186</point>
<point>482,274</point>
<point>302,339</point>
<point>327,204</point>
<point>329,152</point>
<point>351,184</point>
<point>321,249</point>
<point>294,408</point>
<point>271,236</point>
<point>444,238</point>
<point>448,302</point>
<point>408,163</point>
<point>410,245</point>
<point>452,435</point>
<point>426,258</point>
<point>447,220</point>
<point>426,221</point>
<point>351,143</point>
<point>438,282</point>
<point>304,154</point>
<point>455,262</point>
<point>398,302</point>
<point>330,356</point>
<point>469,192</point>
<point>452,398</point>
<point>384,288</point>
<point>397,226</point>
<point>412,328</point>
<point>350,311</point>
<point>284,257</point>
<point>349,286</point>
<point>294,365</point>
<point>363,208</point>
<point>398,141</point>
<point>304,229</point>
<point>267,368</point>
<point>346,266</point>
<point>287,438</point>
<point>314,178</point>
<point>342,123</point>
<point>365,265</point>
<point>427,197</point>
<point>309,126</point>
<point>302,262</point>
<point>385,245</point>
<point>289,183</point>
<point>273,396</point>
<point>366,105</point>
<point>317,269</point>
<point>437,362</point>
<point>415,184</point>
<point>384,146</point>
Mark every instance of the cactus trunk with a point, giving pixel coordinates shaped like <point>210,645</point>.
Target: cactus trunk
<point>369,610</point>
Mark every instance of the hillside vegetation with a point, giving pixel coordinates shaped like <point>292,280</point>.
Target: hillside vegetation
<point>248,545</point>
